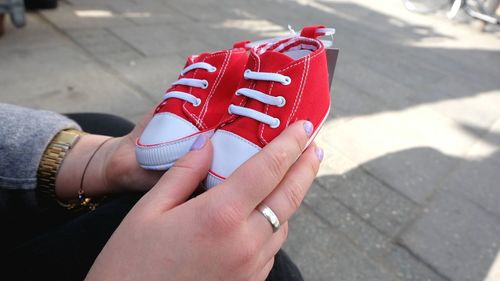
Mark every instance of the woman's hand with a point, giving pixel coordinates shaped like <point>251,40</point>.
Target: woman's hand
<point>113,168</point>
<point>121,170</point>
<point>218,235</point>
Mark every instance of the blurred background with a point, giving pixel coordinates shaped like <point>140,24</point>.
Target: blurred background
<point>410,185</point>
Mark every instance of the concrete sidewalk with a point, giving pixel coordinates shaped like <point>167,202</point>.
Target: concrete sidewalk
<point>410,185</point>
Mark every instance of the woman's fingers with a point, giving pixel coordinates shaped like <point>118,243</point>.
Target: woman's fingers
<point>180,181</point>
<point>288,196</point>
<point>262,274</point>
<point>274,242</point>
<point>257,177</point>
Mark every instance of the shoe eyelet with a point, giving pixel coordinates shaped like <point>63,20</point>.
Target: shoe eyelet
<point>237,93</point>
<point>205,84</point>
<point>197,103</point>
<point>287,81</point>
<point>245,73</point>
<point>229,109</point>
<point>282,101</point>
<point>213,69</point>
<point>276,123</point>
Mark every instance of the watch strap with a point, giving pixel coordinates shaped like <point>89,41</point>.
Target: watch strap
<point>52,160</point>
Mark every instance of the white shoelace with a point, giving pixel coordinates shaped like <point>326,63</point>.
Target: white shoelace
<point>260,96</point>
<point>198,83</point>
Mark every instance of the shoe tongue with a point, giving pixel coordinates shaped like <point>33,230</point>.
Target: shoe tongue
<point>272,61</point>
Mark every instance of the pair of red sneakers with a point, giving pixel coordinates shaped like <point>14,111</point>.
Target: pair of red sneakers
<point>245,100</point>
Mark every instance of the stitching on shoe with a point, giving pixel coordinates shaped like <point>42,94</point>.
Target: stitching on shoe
<point>315,57</point>
<point>301,61</point>
<point>301,90</point>
<point>199,122</point>
<point>231,118</point>
<point>152,147</point>
<point>218,79</point>
<point>185,103</point>
<point>266,109</point>
<point>301,86</point>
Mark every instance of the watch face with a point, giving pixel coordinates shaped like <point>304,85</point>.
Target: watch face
<point>68,137</point>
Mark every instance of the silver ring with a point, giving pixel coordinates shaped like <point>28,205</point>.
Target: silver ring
<point>270,216</point>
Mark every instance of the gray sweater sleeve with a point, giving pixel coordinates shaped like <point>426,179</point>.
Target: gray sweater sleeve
<point>24,135</point>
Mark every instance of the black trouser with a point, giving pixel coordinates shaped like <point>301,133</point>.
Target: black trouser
<point>50,243</point>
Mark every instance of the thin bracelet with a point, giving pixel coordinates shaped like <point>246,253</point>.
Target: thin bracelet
<point>87,201</point>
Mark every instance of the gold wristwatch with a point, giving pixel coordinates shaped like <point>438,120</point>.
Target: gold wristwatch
<point>51,161</point>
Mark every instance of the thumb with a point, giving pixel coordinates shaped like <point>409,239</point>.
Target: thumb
<point>180,181</point>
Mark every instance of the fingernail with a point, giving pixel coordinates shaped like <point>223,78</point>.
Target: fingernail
<point>308,127</point>
<point>199,143</point>
<point>319,153</point>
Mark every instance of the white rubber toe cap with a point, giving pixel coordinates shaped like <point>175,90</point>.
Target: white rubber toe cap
<point>230,151</point>
<point>166,127</point>
<point>166,138</point>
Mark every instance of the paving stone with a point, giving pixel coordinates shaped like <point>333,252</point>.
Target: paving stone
<point>458,66</point>
<point>152,75</point>
<point>323,255</point>
<point>385,208</point>
<point>158,40</point>
<point>481,110</point>
<point>456,237</point>
<point>478,181</point>
<point>334,163</point>
<point>143,12</point>
<point>356,189</point>
<point>362,74</point>
<point>213,10</point>
<point>494,272</point>
<point>35,35</point>
<point>102,43</point>
<point>486,148</point>
<point>223,34</point>
<point>393,213</point>
<point>407,267</point>
<point>369,139</point>
<point>85,16</point>
<point>367,238</point>
<point>415,172</point>
<point>74,84</point>
<point>348,101</point>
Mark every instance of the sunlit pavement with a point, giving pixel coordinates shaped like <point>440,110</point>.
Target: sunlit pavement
<point>410,185</point>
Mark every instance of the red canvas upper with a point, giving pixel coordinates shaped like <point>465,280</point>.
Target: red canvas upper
<point>221,86</point>
<point>307,96</point>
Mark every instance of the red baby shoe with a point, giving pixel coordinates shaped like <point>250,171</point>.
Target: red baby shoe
<point>194,104</point>
<point>284,81</point>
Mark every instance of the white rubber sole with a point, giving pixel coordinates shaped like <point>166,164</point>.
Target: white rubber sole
<point>212,180</point>
<point>164,155</point>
